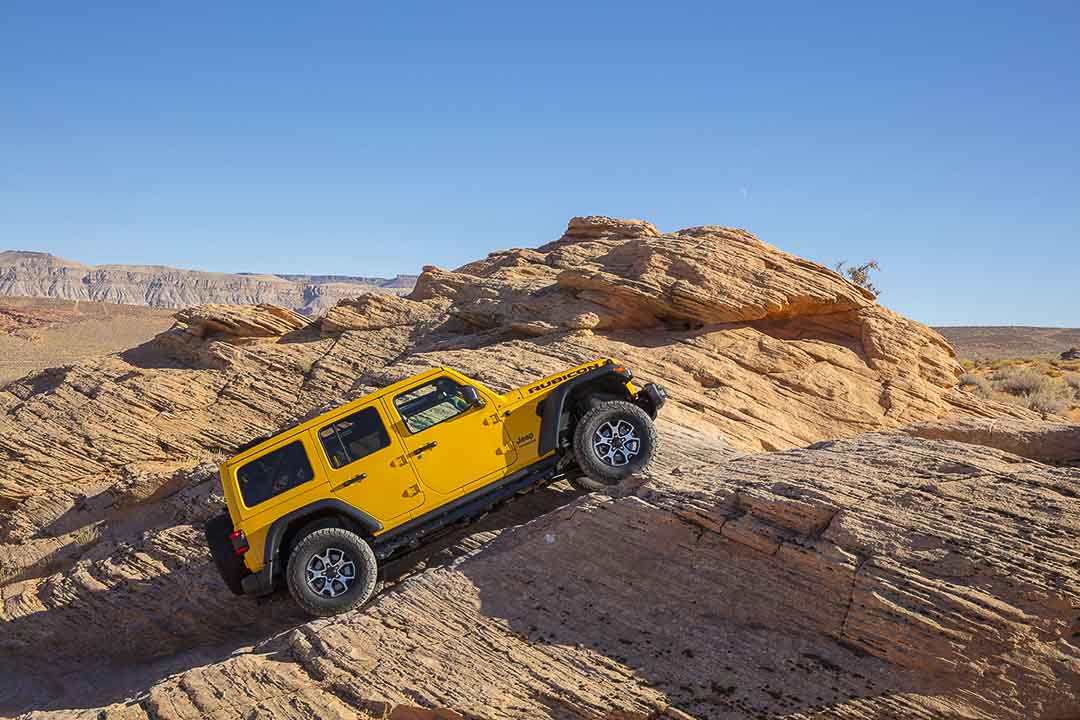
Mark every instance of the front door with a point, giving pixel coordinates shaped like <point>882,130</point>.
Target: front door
<point>451,442</point>
<point>367,467</point>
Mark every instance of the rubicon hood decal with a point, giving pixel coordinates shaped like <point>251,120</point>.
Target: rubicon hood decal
<point>556,379</point>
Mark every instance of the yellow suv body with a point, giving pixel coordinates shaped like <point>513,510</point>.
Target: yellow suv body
<point>396,466</point>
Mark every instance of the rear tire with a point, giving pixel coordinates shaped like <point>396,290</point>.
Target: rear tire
<point>231,567</point>
<point>331,571</point>
<point>612,441</point>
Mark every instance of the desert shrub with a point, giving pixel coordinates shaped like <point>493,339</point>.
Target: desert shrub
<point>1021,381</point>
<point>860,274</point>
<point>977,384</point>
<point>1073,381</point>
<point>1054,400</point>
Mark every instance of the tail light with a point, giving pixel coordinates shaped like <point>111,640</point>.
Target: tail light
<point>239,542</point>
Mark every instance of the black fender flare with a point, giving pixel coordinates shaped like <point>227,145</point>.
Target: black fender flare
<point>553,406</point>
<point>274,536</point>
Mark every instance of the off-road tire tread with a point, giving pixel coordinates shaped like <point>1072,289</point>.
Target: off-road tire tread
<point>601,477</point>
<point>368,572</point>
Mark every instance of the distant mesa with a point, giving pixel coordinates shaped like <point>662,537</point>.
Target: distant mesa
<point>1004,342</point>
<point>37,274</point>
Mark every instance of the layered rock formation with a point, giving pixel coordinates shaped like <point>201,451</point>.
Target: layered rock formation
<point>1047,442</point>
<point>887,574</point>
<point>820,582</point>
<point>31,274</point>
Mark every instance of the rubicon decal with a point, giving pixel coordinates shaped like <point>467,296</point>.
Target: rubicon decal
<point>561,378</point>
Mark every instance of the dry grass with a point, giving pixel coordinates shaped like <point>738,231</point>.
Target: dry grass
<point>977,384</point>
<point>1047,386</point>
<point>1022,381</point>
<point>1049,401</point>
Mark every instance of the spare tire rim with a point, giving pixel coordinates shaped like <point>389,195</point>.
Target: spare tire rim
<point>331,574</point>
<point>616,443</point>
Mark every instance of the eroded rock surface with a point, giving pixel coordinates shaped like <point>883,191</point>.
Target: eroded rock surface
<point>883,568</point>
<point>1049,442</point>
<point>831,581</point>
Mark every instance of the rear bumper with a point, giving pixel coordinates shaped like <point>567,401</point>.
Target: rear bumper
<point>651,398</point>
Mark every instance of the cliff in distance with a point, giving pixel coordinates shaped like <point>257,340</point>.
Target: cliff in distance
<point>34,274</point>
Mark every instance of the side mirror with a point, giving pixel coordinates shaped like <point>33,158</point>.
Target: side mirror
<point>472,396</point>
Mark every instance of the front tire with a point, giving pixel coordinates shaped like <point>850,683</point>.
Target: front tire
<point>331,571</point>
<point>612,441</point>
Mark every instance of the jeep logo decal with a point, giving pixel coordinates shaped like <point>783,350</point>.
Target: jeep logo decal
<point>560,378</point>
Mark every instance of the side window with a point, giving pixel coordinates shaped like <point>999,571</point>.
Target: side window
<point>274,473</point>
<point>353,437</point>
<point>430,404</point>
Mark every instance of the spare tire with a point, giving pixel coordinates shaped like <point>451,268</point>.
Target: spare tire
<point>612,441</point>
<point>230,565</point>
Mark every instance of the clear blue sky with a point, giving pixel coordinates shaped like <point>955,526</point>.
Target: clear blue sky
<point>941,138</point>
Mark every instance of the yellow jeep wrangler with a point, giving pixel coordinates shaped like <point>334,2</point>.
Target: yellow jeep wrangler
<point>316,507</point>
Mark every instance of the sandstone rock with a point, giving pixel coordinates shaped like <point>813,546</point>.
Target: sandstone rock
<point>225,374</point>
<point>1048,442</point>
<point>1071,354</point>
<point>239,322</point>
<point>847,591</point>
<point>377,311</point>
<point>595,226</point>
<point>885,575</point>
<point>634,278</point>
<point>966,403</point>
<point>749,331</point>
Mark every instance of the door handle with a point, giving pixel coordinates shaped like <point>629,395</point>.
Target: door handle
<point>430,446</point>
<point>352,480</point>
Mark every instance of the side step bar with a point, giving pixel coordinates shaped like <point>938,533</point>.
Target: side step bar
<point>475,503</point>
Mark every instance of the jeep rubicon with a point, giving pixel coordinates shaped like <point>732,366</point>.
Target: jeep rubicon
<point>317,506</point>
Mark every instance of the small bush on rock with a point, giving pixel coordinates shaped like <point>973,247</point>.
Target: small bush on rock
<point>860,274</point>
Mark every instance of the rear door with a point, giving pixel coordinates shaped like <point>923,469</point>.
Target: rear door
<point>366,465</point>
<point>280,478</point>
<point>451,442</point>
